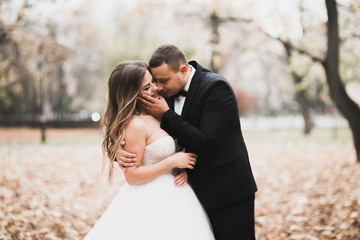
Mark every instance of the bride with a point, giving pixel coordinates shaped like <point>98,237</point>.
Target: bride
<point>150,205</point>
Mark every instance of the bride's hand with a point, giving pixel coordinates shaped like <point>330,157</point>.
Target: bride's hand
<point>184,160</point>
<point>181,178</point>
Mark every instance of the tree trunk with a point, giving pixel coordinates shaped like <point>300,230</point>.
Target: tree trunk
<point>215,42</point>
<point>301,93</point>
<point>344,103</point>
<point>305,111</point>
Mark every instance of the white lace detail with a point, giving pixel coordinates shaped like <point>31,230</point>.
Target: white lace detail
<point>159,150</point>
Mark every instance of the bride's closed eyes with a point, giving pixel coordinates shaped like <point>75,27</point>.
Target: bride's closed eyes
<point>147,86</point>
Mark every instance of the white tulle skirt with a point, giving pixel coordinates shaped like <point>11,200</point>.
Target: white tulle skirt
<point>157,210</point>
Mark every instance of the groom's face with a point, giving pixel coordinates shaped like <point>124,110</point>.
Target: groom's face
<point>169,82</point>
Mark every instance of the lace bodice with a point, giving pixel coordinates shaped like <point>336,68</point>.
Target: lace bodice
<point>159,150</point>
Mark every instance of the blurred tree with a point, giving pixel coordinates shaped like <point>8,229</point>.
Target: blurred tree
<point>298,77</point>
<point>299,81</point>
<point>332,66</point>
<point>215,21</point>
<point>40,76</point>
<point>330,63</point>
<point>17,86</point>
<point>344,103</point>
<point>53,88</point>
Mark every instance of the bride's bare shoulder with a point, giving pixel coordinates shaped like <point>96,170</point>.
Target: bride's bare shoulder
<point>136,124</point>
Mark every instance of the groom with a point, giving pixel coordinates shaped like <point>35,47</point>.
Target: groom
<point>200,111</point>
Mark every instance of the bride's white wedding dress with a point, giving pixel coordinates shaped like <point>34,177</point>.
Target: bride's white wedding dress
<point>157,210</point>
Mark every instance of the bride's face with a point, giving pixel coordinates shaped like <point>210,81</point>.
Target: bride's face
<point>149,86</point>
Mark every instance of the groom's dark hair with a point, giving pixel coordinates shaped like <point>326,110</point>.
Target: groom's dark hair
<point>169,54</point>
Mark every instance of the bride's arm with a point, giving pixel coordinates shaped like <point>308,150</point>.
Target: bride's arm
<point>135,134</point>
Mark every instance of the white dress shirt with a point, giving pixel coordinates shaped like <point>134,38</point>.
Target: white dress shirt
<point>180,100</point>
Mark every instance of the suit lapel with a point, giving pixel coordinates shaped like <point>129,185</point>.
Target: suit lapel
<point>193,87</point>
<point>170,102</point>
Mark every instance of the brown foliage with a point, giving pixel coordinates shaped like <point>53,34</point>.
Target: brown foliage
<point>308,186</point>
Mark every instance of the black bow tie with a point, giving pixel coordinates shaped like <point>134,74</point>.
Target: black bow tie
<point>181,93</point>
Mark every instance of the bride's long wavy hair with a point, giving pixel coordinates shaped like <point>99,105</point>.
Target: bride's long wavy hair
<point>123,88</point>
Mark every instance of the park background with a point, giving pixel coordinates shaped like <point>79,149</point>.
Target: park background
<point>294,67</point>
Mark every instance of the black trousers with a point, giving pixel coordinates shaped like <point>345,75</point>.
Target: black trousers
<point>235,221</point>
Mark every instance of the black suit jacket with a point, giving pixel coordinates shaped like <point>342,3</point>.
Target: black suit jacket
<point>210,127</point>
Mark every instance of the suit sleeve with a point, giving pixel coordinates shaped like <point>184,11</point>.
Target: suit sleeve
<point>218,107</point>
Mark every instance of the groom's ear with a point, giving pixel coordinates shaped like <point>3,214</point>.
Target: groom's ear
<point>183,69</point>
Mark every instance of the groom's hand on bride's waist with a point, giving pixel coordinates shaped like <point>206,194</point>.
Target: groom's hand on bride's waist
<point>180,177</point>
<point>124,158</point>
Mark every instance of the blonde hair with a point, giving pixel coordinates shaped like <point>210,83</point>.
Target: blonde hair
<point>123,88</point>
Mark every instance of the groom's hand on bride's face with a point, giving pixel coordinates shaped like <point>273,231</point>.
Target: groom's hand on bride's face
<point>155,106</point>
<point>124,158</point>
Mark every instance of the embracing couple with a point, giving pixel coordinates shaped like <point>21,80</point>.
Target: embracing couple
<point>173,127</point>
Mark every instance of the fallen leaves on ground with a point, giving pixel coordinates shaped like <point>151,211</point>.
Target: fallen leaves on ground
<point>308,186</point>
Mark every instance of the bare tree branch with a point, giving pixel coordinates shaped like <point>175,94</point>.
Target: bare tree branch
<point>308,54</point>
<point>288,45</point>
<point>20,16</point>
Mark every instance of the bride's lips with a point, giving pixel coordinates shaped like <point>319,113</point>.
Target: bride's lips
<point>155,95</point>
